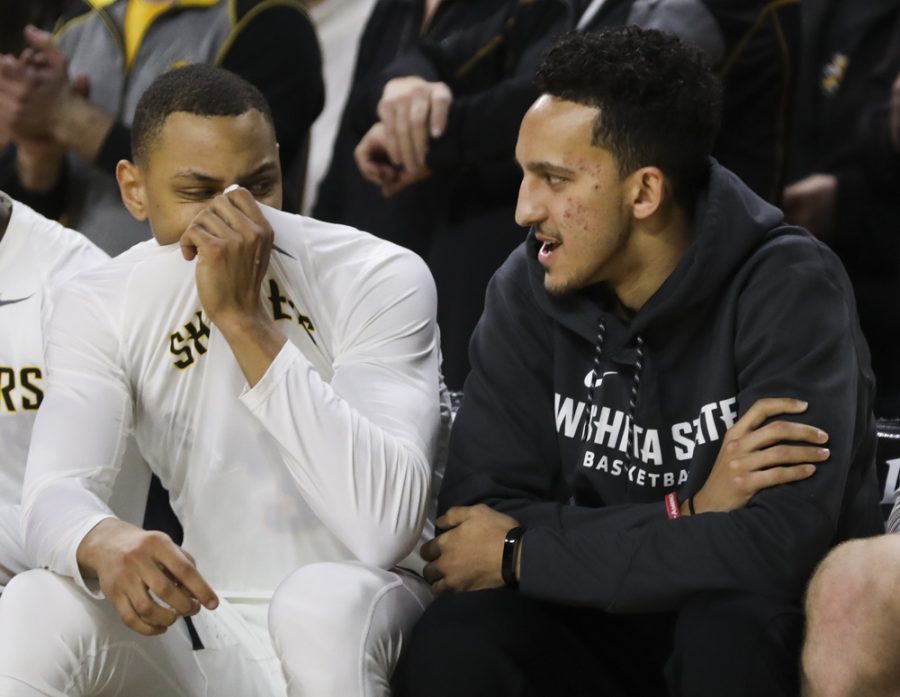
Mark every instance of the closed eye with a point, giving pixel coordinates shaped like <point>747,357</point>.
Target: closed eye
<point>201,194</point>
<point>261,188</point>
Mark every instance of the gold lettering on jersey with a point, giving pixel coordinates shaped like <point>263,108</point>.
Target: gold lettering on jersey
<point>7,385</point>
<point>19,389</point>
<point>280,311</point>
<point>32,395</point>
<point>189,341</point>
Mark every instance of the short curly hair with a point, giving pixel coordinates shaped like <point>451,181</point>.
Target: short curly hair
<point>659,100</point>
<point>199,89</point>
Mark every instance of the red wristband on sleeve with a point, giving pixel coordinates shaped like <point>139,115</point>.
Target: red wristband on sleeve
<point>673,510</point>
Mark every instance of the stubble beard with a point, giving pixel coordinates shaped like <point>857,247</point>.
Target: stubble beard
<point>563,287</point>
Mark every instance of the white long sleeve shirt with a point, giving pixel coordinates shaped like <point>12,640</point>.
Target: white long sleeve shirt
<point>35,255</point>
<point>327,457</point>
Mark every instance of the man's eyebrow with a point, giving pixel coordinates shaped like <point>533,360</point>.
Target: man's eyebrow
<point>268,167</point>
<point>544,167</point>
<point>197,176</point>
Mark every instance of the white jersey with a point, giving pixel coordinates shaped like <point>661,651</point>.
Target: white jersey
<point>327,457</point>
<point>35,254</point>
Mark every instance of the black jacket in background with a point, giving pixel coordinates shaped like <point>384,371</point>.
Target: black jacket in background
<point>754,309</point>
<point>490,68</point>
<point>754,46</point>
<point>855,146</point>
<point>844,42</point>
<point>850,59</point>
<point>344,196</point>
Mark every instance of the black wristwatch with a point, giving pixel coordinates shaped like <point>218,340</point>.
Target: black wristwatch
<point>510,554</point>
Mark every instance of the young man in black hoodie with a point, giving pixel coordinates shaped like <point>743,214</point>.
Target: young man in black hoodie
<point>615,464</point>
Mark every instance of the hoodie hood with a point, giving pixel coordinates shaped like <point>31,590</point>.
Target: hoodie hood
<point>708,264</point>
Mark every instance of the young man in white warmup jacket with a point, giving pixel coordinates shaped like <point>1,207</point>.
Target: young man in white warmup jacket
<point>280,376</point>
<point>36,255</point>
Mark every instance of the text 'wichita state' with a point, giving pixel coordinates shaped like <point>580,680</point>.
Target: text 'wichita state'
<point>613,429</point>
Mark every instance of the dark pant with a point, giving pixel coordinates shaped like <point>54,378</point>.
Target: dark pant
<point>497,643</point>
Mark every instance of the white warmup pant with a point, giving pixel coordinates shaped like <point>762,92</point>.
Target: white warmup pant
<point>13,559</point>
<point>337,629</point>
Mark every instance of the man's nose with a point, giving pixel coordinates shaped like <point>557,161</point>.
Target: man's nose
<point>529,211</point>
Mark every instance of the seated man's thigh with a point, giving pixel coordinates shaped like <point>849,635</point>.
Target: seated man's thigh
<point>13,559</point>
<point>499,642</point>
<point>736,644</point>
<point>56,640</point>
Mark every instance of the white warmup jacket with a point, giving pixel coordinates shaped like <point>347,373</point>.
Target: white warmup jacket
<point>35,254</point>
<point>326,458</point>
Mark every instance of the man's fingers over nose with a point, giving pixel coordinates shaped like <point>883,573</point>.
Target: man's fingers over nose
<point>243,200</point>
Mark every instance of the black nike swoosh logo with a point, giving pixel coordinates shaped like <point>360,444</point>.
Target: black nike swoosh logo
<point>281,251</point>
<point>13,302</point>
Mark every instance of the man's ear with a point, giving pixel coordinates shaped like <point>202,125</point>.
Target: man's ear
<point>131,187</point>
<point>647,188</point>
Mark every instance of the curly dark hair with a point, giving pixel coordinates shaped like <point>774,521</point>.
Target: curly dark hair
<point>659,101</point>
<point>200,89</point>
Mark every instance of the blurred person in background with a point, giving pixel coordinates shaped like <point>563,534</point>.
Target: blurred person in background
<point>339,25</point>
<point>843,171</point>
<point>67,101</point>
<point>395,27</point>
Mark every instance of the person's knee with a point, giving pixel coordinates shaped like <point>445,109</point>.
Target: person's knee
<point>852,582</point>
<point>68,622</point>
<point>25,588</point>
<point>338,627</point>
<point>327,594</point>
<point>40,592</point>
<point>853,619</point>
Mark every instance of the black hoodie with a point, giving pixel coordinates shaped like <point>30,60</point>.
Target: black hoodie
<point>754,309</point>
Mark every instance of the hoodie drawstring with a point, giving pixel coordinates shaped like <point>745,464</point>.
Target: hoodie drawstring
<point>635,385</point>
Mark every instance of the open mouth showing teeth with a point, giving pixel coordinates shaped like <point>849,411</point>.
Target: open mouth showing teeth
<point>548,247</point>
